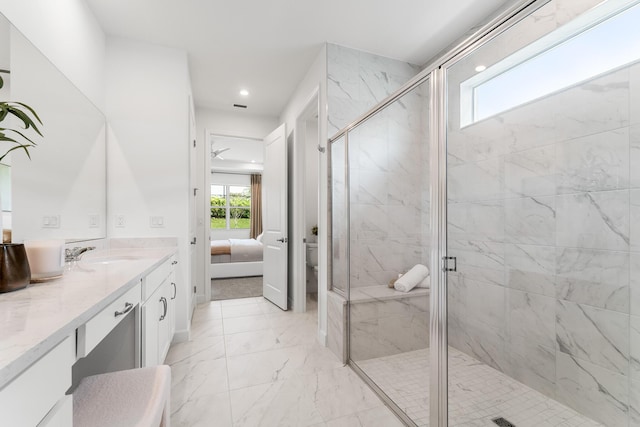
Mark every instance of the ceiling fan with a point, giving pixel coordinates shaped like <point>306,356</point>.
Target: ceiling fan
<point>215,154</point>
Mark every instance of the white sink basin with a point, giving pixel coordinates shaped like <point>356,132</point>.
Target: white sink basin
<point>108,259</point>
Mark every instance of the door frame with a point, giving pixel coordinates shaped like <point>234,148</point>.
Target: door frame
<point>297,247</point>
<point>209,134</point>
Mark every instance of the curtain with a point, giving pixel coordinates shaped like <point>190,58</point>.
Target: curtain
<point>256,205</point>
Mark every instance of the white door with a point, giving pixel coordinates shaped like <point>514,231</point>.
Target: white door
<point>150,313</point>
<point>274,217</point>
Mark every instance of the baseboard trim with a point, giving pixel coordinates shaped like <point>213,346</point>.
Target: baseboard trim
<point>181,336</point>
<point>322,337</point>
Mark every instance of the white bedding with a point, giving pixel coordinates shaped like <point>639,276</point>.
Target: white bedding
<point>245,250</point>
<point>237,250</point>
<point>236,258</point>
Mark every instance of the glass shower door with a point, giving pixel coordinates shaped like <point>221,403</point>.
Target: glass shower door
<point>389,216</point>
<point>543,130</point>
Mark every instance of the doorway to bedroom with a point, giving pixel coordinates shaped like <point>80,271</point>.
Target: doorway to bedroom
<point>236,217</point>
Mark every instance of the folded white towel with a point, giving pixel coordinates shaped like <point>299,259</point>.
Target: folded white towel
<point>426,283</point>
<point>412,278</point>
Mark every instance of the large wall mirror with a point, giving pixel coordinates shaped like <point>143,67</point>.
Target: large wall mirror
<point>61,191</point>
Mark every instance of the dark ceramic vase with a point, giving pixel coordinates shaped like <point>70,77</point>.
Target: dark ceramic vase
<point>14,267</point>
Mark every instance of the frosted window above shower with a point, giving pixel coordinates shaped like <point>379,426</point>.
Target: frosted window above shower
<point>596,44</point>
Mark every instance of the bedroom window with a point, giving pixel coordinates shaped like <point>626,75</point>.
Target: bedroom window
<point>230,207</point>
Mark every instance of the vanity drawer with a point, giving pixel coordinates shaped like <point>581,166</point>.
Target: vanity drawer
<point>154,279</point>
<point>61,415</point>
<point>93,331</point>
<point>26,400</point>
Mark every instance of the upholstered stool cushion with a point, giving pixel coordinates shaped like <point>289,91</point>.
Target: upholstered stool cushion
<point>135,397</point>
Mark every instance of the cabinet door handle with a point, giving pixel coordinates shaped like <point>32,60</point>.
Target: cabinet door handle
<point>163,300</point>
<point>127,308</point>
<point>175,290</point>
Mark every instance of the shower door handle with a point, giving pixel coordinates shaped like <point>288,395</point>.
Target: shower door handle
<point>445,263</point>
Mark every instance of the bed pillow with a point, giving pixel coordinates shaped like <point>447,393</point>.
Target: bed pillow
<point>259,238</point>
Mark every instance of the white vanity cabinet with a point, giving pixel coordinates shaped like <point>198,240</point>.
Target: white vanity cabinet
<point>158,313</point>
<point>107,313</point>
<point>37,396</point>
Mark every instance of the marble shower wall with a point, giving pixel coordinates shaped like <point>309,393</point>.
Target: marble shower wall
<point>388,163</point>
<point>544,214</point>
<point>383,154</point>
<point>389,191</point>
<point>358,81</point>
<point>384,327</point>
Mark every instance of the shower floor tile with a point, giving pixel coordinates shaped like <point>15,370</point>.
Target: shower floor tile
<point>477,393</point>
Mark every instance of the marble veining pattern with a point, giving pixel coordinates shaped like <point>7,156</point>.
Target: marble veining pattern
<point>596,278</point>
<point>388,181</point>
<point>40,316</point>
<point>260,366</point>
<point>593,334</point>
<point>556,182</point>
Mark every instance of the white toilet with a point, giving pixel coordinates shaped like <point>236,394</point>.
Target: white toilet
<point>312,267</point>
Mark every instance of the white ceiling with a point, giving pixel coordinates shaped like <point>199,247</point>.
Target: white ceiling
<point>240,149</point>
<point>267,46</point>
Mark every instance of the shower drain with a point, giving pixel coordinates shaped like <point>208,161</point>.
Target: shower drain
<point>503,422</point>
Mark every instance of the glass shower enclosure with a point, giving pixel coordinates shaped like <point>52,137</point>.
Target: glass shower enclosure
<point>509,169</point>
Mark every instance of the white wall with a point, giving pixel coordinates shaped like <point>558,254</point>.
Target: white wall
<point>315,80</point>
<point>230,179</point>
<point>69,35</point>
<point>148,92</point>
<point>5,31</point>
<point>220,123</point>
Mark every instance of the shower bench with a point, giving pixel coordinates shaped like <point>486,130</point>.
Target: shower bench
<point>383,322</point>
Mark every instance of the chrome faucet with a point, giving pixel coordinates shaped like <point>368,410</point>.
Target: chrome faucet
<point>75,253</point>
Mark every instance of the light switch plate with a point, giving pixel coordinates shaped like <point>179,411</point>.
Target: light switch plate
<point>120,221</point>
<point>94,221</point>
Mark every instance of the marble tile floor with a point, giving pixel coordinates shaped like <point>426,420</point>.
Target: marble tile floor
<point>477,393</point>
<point>251,364</point>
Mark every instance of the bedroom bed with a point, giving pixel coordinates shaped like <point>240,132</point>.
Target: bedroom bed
<point>236,258</point>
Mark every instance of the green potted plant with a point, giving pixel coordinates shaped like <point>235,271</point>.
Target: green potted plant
<point>14,267</point>
<point>26,115</point>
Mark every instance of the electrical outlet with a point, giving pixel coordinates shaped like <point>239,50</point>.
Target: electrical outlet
<point>51,221</point>
<point>156,221</point>
<point>120,221</point>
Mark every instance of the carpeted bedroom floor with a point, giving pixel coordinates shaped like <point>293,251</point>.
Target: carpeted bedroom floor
<point>236,287</point>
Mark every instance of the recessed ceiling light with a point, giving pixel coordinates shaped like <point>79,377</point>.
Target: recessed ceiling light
<point>480,68</point>
<point>253,161</point>
<point>244,92</point>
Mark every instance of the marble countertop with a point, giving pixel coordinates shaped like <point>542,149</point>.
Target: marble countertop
<point>35,319</point>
